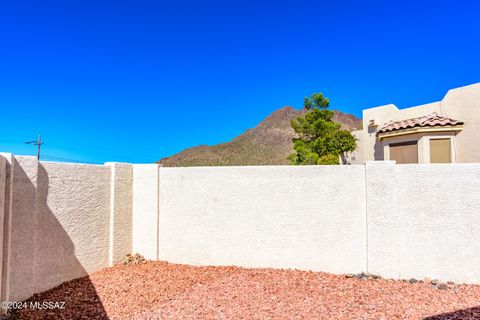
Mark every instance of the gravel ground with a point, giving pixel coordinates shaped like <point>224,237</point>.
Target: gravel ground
<point>159,290</point>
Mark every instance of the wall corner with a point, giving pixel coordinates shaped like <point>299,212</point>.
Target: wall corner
<point>20,214</point>
<point>3,178</point>
<point>120,214</point>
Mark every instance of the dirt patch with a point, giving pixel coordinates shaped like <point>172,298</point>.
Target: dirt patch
<point>159,290</point>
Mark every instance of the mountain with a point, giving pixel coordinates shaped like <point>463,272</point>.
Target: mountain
<point>269,143</point>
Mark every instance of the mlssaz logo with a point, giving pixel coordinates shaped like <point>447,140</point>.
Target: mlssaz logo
<point>38,305</point>
<point>47,305</point>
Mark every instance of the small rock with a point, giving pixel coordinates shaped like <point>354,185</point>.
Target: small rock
<point>366,275</point>
<point>434,282</point>
<point>450,282</point>
<point>349,275</point>
<point>133,259</point>
<point>442,286</point>
<point>412,280</point>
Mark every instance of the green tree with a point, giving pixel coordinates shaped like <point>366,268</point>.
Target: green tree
<point>320,140</point>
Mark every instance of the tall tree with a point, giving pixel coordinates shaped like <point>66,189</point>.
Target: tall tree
<point>320,140</point>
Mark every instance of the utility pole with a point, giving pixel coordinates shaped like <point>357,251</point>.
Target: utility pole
<point>37,143</point>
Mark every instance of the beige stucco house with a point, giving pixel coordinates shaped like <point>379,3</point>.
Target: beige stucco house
<point>446,131</point>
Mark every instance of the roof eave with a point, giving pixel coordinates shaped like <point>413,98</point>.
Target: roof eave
<point>401,132</point>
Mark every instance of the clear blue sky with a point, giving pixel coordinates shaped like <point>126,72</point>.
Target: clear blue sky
<point>138,80</point>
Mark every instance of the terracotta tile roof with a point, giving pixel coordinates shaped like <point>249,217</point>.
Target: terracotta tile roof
<point>430,120</point>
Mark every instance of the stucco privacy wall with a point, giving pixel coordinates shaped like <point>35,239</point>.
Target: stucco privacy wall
<point>398,221</point>
<point>145,210</point>
<point>121,179</point>
<point>6,158</point>
<point>73,222</point>
<point>309,217</point>
<point>3,176</point>
<point>62,221</point>
<point>20,218</point>
<point>430,223</point>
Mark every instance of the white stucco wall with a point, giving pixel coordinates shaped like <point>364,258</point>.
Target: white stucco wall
<point>73,205</point>
<point>21,219</point>
<point>62,221</point>
<point>120,239</point>
<point>423,221</point>
<point>439,233</point>
<point>3,177</point>
<point>309,217</point>
<point>7,159</point>
<point>145,210</point>
<point>382,216</point>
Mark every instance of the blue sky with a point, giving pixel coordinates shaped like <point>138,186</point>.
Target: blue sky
<point>134,81</point>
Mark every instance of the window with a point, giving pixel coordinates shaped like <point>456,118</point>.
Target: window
<point>440,151</point>
<point>404,152</point>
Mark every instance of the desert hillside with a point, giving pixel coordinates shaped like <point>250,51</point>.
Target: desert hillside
<point>269,143</point>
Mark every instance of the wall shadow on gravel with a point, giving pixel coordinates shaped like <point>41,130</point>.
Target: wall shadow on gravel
<point>54,263</point>
<point>463,314</point>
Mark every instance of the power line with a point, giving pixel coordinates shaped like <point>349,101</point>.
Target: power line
<point>78,148</point>
<point>74,146</point>
<point>92,151</point>
<point>94,148</point>
<point>54,158</point>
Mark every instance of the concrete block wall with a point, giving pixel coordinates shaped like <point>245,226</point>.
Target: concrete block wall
<point>438,225</point>
<point>424,221</point>
<point>3,178</point>
<point>72,229</point>
<point>20,220</point>
<point>62,221</point>
<point>120,229</point>
<point>398,221</point>
<point>270,216</point>
<point>145,212</point>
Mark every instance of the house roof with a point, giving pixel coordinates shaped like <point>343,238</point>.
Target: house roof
<point>429,120</point>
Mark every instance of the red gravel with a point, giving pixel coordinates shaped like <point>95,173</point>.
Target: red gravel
<point>159,290</point>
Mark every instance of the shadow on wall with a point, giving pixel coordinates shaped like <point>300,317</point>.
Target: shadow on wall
<point>378,147</point>
<point>54,261</point>
<point>464,314</point>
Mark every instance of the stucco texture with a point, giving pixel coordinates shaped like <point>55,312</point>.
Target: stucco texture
<point>309,217</point>
<point>63,221</point>
<point>423,221</point>
<point>3,177</point>
<point>21,218</point>
<point>72,231</point>
<point>438,233</point>
<point>120,239</point>
<point>145,210</point>
<point>56,228</point>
